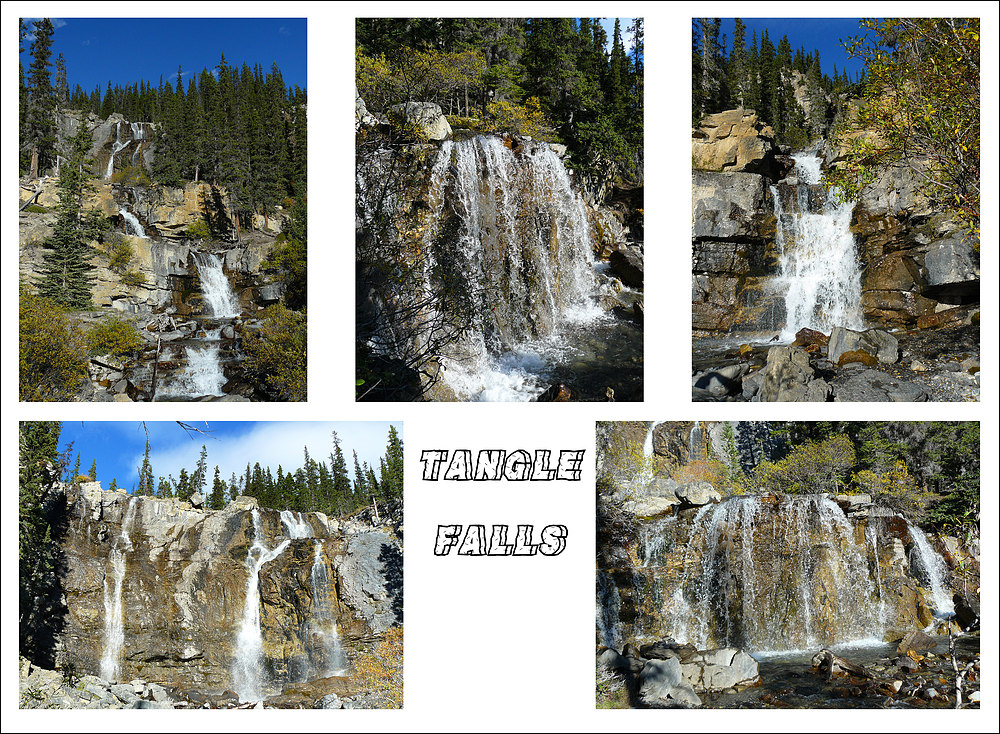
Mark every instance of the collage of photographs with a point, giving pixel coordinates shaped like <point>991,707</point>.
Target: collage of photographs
<point>663,543</point>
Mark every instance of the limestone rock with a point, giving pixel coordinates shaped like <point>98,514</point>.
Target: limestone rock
<point>728,206</point>
<point>716,670</point>
<point>626,263</point>
<point>873,386</point>
<point>697,494</point>
<point>425,119</point>
<point>879,344</point>
<point>734,140</point>
<point>661,683</point>
<point>788,377</point>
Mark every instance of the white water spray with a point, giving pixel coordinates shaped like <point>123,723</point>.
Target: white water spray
<point>115,148</point>
<point>296,525</point>
<point>114,626</point>
<point>133,225</point>
<point>933,571</point>
<point>820,273</point>
<point>248,663</point>
<point>324,616</point>
<point>215,287</point>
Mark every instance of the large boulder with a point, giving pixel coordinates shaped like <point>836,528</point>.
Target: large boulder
<point>881,345</point>
<point>952,264</point>
<point>789,378</point>
<point>873,386</point>
<point>662,684</point>
<point>716,670</point>
<point>697,494</point>
<point>626,263</point>
<point>425,120</point>
<point>731,141</point>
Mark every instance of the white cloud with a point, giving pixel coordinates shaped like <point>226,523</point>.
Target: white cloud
<point>270,444</point>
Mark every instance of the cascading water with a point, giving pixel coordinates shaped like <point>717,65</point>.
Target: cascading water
<point>932,570</point>
<point>215,287</point>
<point>696,441</point>
<point>134,226</point>
<point>114,627</point>
<point>248,662</point>
<point>324,617</point>
<point>820,272</point>
<point>117,146</point>
<point>608,611</point>
<point>296,525</point>
<point>773,573</point>
<point>203,373</point>
<point>503,228</point>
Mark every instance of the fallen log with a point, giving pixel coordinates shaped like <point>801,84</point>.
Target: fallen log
<point>834,664</point>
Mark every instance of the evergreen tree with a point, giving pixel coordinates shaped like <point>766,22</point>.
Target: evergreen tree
<point>341,482</point>
<point>39,134</point>
<point>67,274</point>
<point>40,606</point>
<point>392,467</point>
<point>198,477</point>
<point>146,483</point>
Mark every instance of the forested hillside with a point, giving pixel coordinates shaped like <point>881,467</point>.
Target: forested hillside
<point>553,78</point>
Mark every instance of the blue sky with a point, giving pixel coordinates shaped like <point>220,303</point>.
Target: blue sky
<point>118,446</point>
<point>102,49</point>
<point>824,34</point>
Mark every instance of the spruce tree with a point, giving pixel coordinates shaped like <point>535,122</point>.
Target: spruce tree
<point>67,273</point>
<point>146,487</point>
<point>39,140</point>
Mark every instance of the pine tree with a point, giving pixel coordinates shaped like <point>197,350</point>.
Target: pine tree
<point>392,468</point>
<point>38,556</point>
<point>146,483</point>
<point>39,136</point>
<point>341,482</point>
<point>198,477</point>
<point>67,274</point>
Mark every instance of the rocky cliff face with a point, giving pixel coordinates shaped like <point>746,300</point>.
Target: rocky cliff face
<point>184,583</point>
<point>919,270</point>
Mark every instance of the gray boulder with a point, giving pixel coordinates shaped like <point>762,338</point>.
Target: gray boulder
<point>425,118</point>
<point>717,670</point>
<point>789,378</point>
<point>627,265</point>
<point>728,205</point>
<point>872,386</point>
<point>661,683</point>
<point>697,493</point>
<point>879,344</point>
<point>952,262</point>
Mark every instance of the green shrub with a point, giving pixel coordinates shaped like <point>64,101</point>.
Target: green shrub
<point>133,278</point>
<point>119,251</point>
<point>35,209</point>
<point>198,230</point>
<point>51,357</point>
<point>131,176</point>
<point>276,353</point>
<point>114,336</point>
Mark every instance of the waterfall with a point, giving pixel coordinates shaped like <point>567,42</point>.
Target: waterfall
<point>506,233</point>
<point>773,573</point>
<point>296,525</point>
<point>932,570</point>
<point>114,626</point>
<point>608,611</point>
<point>324,616</point>
<point>696,442</point>
<point>203,374</point>
<point>820,273</point>
<point>134,227</point>
<point>248,662</point>
<point>115,148</point>
<point>215,287</point>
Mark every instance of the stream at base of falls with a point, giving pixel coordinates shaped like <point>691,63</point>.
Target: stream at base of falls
<point>790,681</point>
<point>588,357</point>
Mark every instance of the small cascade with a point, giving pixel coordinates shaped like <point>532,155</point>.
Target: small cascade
<point>203,373</point>
<point>932,571</point>
<point>773,573</point>
<point>295,525</point>
<point>248,661</point>
<point>215,287</point>
<point>114,626</point>
<point>117,146</point>
<point>696,442</point>
<point>132,224</point>
<point>820,273</point>
<point>324,617</point>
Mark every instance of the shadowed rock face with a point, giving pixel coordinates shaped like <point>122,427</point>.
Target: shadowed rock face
<point>184,588</point>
